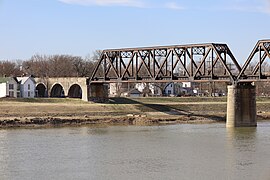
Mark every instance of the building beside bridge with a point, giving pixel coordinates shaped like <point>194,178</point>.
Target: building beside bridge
<point>16,87</point>
<point>28,87</point>
<point>9,87</point>
<point>125,89</point>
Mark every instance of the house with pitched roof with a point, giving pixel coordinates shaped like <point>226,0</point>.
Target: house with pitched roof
<point>27,87</point>
<point>9,87</point>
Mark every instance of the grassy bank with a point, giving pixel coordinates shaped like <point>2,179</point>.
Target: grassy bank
<point>57,111</point>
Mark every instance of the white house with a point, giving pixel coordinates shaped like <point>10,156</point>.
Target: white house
<point>9,87</point>
<point>113,89</point>
<point>173,89</point>
<point>118,89</point>
<point>190,88</point>
<point>187,84</point>
<point>169,89</point>
<point>149,89</point>
<point>145,88</point>
<point>27,87</point>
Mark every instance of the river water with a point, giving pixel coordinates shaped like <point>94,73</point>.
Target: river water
<point>183,151</point>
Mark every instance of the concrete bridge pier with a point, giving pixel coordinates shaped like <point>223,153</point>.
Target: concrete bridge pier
<point>99,92</point>
<point>241,105</point>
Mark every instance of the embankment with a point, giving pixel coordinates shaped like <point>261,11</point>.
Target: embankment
<point>139,111</point>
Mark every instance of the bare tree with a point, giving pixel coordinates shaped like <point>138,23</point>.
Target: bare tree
<point>95,59</point>
<point>38,66</point>
<point>8,68</point>
<point>58,66</point>
<point>52,66</point>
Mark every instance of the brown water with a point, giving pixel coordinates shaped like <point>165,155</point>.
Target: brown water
<point>208,151</point>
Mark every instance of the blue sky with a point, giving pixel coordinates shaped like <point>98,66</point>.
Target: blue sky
<point>78,27</point>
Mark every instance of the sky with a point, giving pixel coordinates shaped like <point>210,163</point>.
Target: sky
<point>79,27</point>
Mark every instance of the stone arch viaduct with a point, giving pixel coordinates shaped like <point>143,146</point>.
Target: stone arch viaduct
<point>73,87</point>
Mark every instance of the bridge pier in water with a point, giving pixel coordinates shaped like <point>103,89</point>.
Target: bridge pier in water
<point>241,105</point>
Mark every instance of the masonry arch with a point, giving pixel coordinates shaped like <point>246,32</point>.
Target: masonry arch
<point>75,91</point>
<point>57,90</point>
<point>41,90</point>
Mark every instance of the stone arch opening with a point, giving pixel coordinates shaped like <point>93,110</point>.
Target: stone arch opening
<point>41,90</point>
<point>75,91</point>
<point>57,91</point>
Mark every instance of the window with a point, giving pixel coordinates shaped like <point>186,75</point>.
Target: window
<point>11,86</point>
<point>28,94</point>
<point>28,86</point>
<point>169,92</point>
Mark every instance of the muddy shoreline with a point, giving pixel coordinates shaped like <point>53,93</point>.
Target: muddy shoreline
<point>80,121</point>
<point>124,120</point>
<point>141,111</point>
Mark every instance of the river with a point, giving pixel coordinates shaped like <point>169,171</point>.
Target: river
<point>183,151</point>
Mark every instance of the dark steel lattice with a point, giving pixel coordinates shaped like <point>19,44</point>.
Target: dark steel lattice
<point>198,62</point>
<point>254,68</point>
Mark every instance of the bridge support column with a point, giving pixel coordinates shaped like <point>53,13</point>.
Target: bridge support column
<point>241,105</point>
<point>99,92</point>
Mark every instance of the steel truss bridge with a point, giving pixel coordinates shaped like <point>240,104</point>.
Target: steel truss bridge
<point>180,63</point>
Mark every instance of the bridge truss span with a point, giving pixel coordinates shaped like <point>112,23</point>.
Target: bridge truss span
<point>179,63</point>
<point>255,67</point>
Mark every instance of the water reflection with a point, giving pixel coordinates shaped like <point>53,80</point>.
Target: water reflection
<point>241,146</point>
<point>242,138</point>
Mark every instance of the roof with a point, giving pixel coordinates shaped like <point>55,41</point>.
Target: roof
<point>6,79</point>
<point>22,80</point>
<point>134,91</point>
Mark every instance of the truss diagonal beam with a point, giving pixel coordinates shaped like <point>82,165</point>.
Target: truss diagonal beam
<point>247,62</point>
<point>126,69</point>
<point>143,61</point>
<point>179,60</point>
<point>224,64</point>
<point>256,73</point>
<point>202,62</point>
<point>165,60</point>
<point>155,63</point>
<point>111,65</point>
<point>257,67</point>
<point>177,63</point>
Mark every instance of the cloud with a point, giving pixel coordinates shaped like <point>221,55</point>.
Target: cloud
<point>252,9</point>
<point>253,6</point>
<point>173,5</point>
<point>268,6</point>
<point>130,3</point>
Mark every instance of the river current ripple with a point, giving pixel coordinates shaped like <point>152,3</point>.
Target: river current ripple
<point>183,151</point>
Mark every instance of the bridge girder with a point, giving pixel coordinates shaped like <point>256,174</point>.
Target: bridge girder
<point>179,63</point>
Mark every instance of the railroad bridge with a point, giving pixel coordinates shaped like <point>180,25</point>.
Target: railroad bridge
<point>210,62</point>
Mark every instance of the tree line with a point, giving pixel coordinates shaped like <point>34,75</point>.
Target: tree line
<point>51,66</point>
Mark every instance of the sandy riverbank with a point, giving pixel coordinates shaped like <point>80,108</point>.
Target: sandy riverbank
<point>139,111</point>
